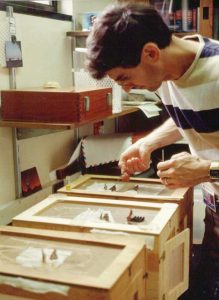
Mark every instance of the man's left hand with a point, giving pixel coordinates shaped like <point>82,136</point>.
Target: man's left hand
<point>183,170</point>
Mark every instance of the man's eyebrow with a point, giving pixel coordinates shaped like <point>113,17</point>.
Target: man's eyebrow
<point>121,77</point>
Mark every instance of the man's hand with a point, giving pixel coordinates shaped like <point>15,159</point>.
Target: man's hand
<point>135,159</point>
<point>183,170</point>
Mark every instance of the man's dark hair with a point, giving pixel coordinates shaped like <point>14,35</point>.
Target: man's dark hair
<point>119,35</point>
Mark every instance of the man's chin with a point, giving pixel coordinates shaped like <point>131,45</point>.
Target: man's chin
<point>150,89</point>
<point>153,88</point>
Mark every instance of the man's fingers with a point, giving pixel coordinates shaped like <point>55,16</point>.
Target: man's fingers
<point>130,167</point>
<point>164,165</point>
<point>125,177</point>
<point>122,166</point>
<point>180,155</point>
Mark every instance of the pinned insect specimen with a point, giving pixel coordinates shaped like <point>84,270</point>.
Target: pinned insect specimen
<point>137,219</point>
<point>136,187</point>
<point>129,216</point>
<point>113,188</point>
<point>134,219</point>
<point>53,255</point>
<point>105,217</point>
<point>43,256</point>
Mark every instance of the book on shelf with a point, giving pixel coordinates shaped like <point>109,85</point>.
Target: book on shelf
<point>179,15</point>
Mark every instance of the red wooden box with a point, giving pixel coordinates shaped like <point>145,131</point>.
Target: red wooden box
<point>59,105</point>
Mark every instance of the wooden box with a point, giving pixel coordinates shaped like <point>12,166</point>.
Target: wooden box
<point>138,189</point>
<point>62,106</point>
<point>41,264</point>
<point>167,250</point>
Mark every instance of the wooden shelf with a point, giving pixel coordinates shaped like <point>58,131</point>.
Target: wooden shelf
<point>77,33</point>
<point>41,125</point>
<point>24,124</point>
<point>182,34</point>
<point>86,33</point>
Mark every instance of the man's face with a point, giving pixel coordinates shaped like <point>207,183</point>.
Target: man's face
<point>142,77</point>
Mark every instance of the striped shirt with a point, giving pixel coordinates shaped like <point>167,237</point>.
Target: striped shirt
<point>193,102</point>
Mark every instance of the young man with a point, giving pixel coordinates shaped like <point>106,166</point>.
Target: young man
<point>132,44</point>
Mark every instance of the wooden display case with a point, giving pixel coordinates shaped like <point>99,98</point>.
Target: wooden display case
<point>140,189</point>
<point>56,105</point>
<point>167,250</point>
<point>41,264</point>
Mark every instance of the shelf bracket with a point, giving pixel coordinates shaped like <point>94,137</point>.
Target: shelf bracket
<point>12,83</point>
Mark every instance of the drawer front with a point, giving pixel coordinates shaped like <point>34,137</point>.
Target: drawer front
<point>95,103</point>
<point>40,106</point>
<point>175,274</point>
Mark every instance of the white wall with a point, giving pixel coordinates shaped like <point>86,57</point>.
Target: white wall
<point>46,57</point>
<point>79,7</point>
<point>82,6</point>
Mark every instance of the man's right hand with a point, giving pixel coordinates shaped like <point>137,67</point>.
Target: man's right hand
<point>135,159</point>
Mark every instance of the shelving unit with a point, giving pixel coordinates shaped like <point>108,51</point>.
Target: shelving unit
<point>77,33</point>
<point>206,28</point>
<point>63,126</point>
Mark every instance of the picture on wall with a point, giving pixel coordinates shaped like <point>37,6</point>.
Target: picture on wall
<point>13,54</point>
<point>30,181</point>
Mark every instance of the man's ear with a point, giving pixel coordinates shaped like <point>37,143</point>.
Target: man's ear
<point>150,53</point>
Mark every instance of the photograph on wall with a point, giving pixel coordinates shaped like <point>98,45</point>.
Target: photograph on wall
<point>13,54</point>
<point>88,20</point>
<point>30,181</point>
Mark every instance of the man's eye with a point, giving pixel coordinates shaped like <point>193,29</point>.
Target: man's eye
<point>123,79</point>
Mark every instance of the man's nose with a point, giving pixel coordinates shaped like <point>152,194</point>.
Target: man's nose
<point>127,88</point>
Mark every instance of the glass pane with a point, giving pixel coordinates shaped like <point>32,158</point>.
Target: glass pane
<point>49,256</point>
<point>129,188</point>
<point>95,213</point>
<point>42,2</point>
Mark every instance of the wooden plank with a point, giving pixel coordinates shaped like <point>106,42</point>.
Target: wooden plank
<point>77,33</point>
<point>177,281</point>
<point>130,253</point>
<point>40,125</point>
<point>183,196</point>
<point>162,226</point>
<point>56,125</point>
<point>206,17</point>
<point>55,106</point>
<point>163,213</point>
<point>74,188</point>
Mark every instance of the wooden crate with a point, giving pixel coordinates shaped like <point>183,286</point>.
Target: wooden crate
<point>149,190</point>
<point>159,229</point>
<point>10,297</point>
<point>56,105</point>
<point>85,266</point>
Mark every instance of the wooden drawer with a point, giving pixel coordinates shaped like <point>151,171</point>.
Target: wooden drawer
<point>148,190</point>
<point>84,266</point>
<point>10,297</point>
<point>61,106</point>
<point>159,227</point>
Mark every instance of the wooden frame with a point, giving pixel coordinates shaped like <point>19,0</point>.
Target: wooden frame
<point>162,228</point>
<point>122,278</point>
<point>206,18</point>
<point>164,213</point>
<point>171,291</point>
<point>56,105</point>
<point>76,188</point>
<point>183,196</point>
